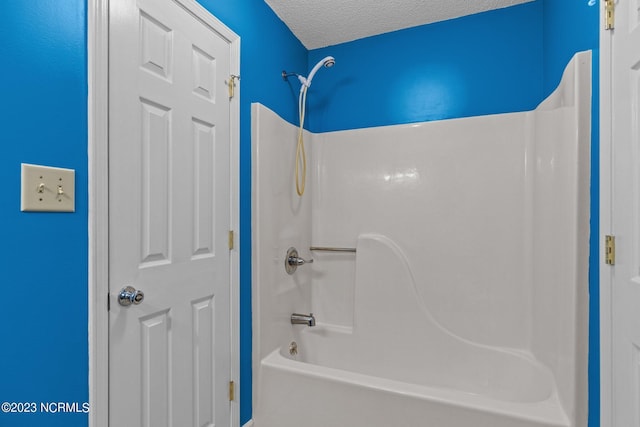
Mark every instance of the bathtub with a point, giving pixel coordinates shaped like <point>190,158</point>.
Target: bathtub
<point>311,395</point>
<point>378,373</point>
<point>466,301</point>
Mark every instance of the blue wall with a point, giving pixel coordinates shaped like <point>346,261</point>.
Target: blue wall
<point>482,64</point>
<point>43,118</point>
<point>505,60</point>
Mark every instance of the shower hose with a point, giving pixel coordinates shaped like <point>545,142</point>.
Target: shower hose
<point>301,157</point>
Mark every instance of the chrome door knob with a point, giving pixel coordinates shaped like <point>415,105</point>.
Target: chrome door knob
<point>129,295</point>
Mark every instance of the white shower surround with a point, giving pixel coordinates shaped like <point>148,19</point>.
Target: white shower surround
<point>467,301</point>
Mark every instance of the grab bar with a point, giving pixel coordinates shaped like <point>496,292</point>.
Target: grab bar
<point>329,249</point>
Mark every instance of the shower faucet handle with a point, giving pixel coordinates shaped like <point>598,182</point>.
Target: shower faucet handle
<point>298,261</point>
<point>292,261</point>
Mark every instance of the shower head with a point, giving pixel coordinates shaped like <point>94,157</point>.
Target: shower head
<point>327,62</point>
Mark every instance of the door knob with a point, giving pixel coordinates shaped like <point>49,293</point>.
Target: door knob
<point>128,295</point>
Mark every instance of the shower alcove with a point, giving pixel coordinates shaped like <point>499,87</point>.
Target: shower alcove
<point>466,303</point>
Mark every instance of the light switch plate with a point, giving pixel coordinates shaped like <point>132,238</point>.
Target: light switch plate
<point>47,189</point>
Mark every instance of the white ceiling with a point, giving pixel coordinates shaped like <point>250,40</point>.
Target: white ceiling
<point>320,23</point>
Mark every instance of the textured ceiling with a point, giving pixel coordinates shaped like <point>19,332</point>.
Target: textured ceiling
<point>320,23</point>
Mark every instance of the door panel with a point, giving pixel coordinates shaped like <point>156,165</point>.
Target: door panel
<point>625,119</point>
<point>169,180</point>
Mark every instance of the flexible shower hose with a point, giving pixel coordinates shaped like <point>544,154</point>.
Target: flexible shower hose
<point>301,156</point>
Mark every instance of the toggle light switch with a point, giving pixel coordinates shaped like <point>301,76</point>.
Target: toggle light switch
<point>47,189</point>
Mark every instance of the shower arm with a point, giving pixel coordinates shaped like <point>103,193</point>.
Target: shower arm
<point>301,78</point>
<point>327,62</point>
<point>286,75</point>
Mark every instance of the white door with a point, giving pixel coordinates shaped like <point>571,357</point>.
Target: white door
<point>625,213</point>
<point>169,217</point>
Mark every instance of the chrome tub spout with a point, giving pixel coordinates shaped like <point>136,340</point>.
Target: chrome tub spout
<point>303,319</point>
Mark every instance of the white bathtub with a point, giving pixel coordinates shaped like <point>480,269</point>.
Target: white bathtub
<point>303,394</point>
<point>466,304</point>
<point>379,373</point>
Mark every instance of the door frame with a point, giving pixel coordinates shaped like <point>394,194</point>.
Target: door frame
<point>606,225</point>
<point>98,140</point>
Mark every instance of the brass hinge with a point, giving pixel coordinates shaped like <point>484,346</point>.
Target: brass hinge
<point>610,250</point>
<point>231,238</point>
<point>609,14</point>
<point>232,391</point>
<point>232,84</point>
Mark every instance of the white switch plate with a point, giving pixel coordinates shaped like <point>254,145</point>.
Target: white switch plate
<point>47,189</point>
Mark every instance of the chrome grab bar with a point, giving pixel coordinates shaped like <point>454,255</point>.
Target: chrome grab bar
<point>329,249</point>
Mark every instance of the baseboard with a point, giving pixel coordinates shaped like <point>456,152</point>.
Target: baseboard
<point>248,424</point>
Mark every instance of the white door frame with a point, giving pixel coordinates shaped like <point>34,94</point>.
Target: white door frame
<point>606,321</point>
<point>98,137</point>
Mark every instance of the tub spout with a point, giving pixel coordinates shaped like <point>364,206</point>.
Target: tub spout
<point>303,319</point>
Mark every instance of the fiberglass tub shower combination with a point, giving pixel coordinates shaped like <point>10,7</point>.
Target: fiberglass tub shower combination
<point>465,303</point>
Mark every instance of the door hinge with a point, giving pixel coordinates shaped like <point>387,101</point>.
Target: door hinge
<point>108,302</point>
<point>609,14</point>
<point>232,391</point>
<point>610,250</point>
<point>232,84</point>
<point>231,239</point>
